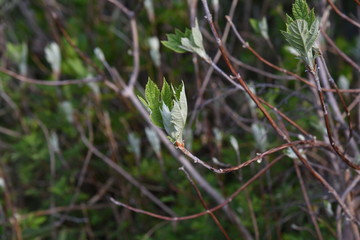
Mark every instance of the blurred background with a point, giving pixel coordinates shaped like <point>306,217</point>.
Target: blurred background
<point>70,138</point>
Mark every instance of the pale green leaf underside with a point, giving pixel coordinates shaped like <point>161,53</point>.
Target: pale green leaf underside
<point>300,37</point>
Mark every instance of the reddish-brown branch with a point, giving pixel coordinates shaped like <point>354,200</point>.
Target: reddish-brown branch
<point>198,193</point>
<point>268,116</point>
<point>328,127</point>
<point>258,56</point>
<point>344,16</point>
<point>339,52</point>
<point>307,201</point>
<point>49,82</point>
<point>258,157</point>
<point>193,216</point>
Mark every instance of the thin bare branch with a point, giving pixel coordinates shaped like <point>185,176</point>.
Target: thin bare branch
<point>49,82</point>
<point>341,14</point>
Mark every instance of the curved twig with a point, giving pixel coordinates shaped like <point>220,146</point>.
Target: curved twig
<point>343,15</point>
<point>49,82</point>
<point>226,202</point>
<point>238,77</point>
<point>257,55</point>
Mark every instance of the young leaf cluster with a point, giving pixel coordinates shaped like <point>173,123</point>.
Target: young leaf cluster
<point>260,26</point>
<point>168,108</point>
<point>188,41</point>
<point>302,30</point>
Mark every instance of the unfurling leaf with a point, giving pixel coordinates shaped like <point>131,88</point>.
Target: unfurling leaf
<point>260,27</point>
<point>53,56</point>
<point>188,41</point>
<point>302,31</point>
<point>152,102</point>
<point>168,108</point>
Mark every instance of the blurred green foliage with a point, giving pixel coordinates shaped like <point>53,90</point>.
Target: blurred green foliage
<point>36,111</point>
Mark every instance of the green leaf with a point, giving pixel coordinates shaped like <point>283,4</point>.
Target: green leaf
<point>143,101</point>
<point>152,102</point>
<point>174,40</point>
<point>152,93</point>
<point>168,108</point>
<point>300,10</point>
<point>166,94</point>
<point>260,27</point>
<point>288,19</point>
<point>254,23</point>
<point>188,41</point>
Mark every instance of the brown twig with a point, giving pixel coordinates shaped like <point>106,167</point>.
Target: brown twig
<point>342,100</point>
<point>343,15</point>
<point>258,157</point>
<point>226,202</point>
<point>204,203</point>
<point>237,76</point>
<point>48,82</point>
<point>124,173</point>
<point>327,123</point>
<point>257,55</point>
<point>339,52</point>
<point>307,201</point>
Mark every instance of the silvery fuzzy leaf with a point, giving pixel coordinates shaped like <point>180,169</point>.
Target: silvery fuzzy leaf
<point>215,4</point>
<point>234,143</point>
<point>302,39</point>
<point>328,208</point>
<point>260,136</point>
<point>174,40</point>
<point>344,82</point>
<point>167,122</point>
<point>196,35</point>
<point>53,56</point>
<point>153,139</point>
<point>189,138</point>
<point>190,47</point>
<point>313,34</point>
<point>183,102</point>
<point>99,54</point>
<point>67,108</point>
<point>263,27</point>
<point>154,45</point>
<point>178,119</point>
<point>292,51</point>
<point>218,136</point>
<point>291,154</point>
<point>186,45</point>
<point>95,88</point>
<point>253,89</point>
<point>134,142</point>
<point>149,6</point>
<point>54,142</point>
<point>23,63</point>
<point>2,183</point>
